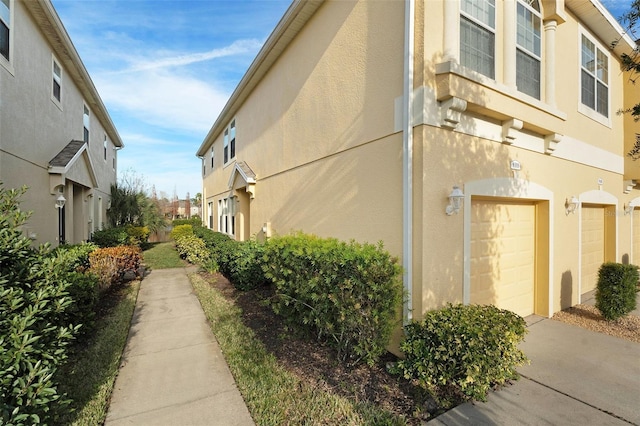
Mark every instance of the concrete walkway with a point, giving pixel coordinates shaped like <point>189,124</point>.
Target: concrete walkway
<point>172,371</point>
<point>576,377</point>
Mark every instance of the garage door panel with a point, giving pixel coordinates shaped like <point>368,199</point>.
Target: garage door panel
<point>592,245</point>
<point>503,255</point>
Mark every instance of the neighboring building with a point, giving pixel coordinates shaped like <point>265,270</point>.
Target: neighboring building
<point>56,135</point>
<point>357,119</point>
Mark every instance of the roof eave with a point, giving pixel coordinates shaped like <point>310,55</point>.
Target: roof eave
<point>292,22</point>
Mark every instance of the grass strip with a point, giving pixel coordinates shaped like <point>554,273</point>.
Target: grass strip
<point>273,395</point>
<point>163,256</point>
<point>89,376</point>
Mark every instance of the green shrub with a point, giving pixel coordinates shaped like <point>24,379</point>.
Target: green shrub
<point>221,247</point>
<point>616,290</point>
<point>245,265</point>
<point>192,249</point>
<point>464,348</point>
<point>193,222</point>
<point>181,231</point>
<point>347,294</point>
<point>110,237</point>
<point>33,302</point>
<point>74,258</point>
<point>137,235</point>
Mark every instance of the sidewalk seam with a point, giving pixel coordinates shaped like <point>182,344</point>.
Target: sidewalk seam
<point>579,400</point>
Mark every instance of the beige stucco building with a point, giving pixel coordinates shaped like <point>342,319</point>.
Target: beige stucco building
<point>357,119</point>
<point>56,135</point>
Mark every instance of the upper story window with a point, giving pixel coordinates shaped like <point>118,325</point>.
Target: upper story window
<point>57,81</point>
<point>477,35</point>
<point>85,123</point>
<point>594,77</point>
<point>230,142</point>
<point>5,27</point>
<point>528,50</point>
<point>212,157</point>
<point>204,167</point>
<point>104,147</point>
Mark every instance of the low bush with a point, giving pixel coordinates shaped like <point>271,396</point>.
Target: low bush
<point>181,231</point>
<point>245,265</point>
<point>110,264</point>
<point>193,222</point>
<point>221,247</point>
<point>347,294</point>
<point>465,348</point>
<point>616,290</point>
<point>121,236</point>
<point>75,257</point>
<point>192,249</point>
<point>110,237</point>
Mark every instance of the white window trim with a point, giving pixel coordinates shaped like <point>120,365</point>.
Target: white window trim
<point>461,14</point>
<point>582,108</point>
<point>55,100</point>
<point>227,130</point>
<point>8,63</point>
<point>88,124</point>
<point>226,211</point>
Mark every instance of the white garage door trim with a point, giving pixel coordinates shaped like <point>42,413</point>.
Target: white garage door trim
<point>503,188</point>
<point>593,197</point>
<point>635,257</point>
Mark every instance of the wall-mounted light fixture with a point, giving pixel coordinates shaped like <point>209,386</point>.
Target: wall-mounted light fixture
<point>628,208</point>
<point>60,201</point>
<point>571,204</point>
<point>455,201</point>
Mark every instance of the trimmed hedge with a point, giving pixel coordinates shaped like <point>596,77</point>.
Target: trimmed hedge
<point>121,236</point>
<point>192,249</point>
<point>346,294</point>
<point>244,266</point>
<point>616,290</point>
<point>181,231</point>
<point>468,348</point>
<point>193,222</point>
<point>221,247</point>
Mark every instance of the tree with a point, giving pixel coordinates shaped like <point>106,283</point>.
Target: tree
<point>631,63</point>
<point>131,205</point>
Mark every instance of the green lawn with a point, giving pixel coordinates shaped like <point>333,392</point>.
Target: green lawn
<point>163,256</point>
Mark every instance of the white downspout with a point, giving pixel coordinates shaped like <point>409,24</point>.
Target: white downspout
<point>407,162</point>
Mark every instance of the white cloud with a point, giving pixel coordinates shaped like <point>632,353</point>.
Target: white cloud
<point>163,99</point>
<point>236,48</point>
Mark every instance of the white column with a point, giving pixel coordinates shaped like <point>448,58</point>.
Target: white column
<point>550,61</point>
<point>509,51</point>
<point>451,31</point>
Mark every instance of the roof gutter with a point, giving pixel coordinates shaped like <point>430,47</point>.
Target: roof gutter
<point>407,163</point>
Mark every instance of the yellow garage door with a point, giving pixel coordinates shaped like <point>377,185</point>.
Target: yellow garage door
<point>503,255</point>
<point>592,245</point>
<point>636,236</point>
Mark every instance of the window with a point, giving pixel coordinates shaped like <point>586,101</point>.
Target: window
<point>5,27</point>
<point>230,142</point>
<point>528,48</point>
<point>104,147</point>
<point>57,81</point>
<point>211,215</point>
<point>477,35</point>
<point>212,157</point>
<point>85,122</point>
<point>594,77</point>
<point>227,216</point>
<point>204,167</point>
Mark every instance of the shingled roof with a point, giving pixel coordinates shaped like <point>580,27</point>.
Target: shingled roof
<point>68,153</point>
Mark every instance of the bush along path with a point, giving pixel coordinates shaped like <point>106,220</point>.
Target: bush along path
<point>321,312</point>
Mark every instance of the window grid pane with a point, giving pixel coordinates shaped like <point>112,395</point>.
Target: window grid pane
<point>528,30</point>
<point>482,10</point>
<point>588,55</point>
<point>603,99</point>
<point>527,74</point>
<point>588,92</point>
<point>477,48</point>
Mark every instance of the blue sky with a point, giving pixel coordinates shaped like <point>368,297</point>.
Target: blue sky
<point>165,68</point>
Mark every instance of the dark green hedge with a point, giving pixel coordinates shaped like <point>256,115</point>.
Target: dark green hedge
<point>467,348</point>
<point>616,290</point>
<point>346,294</point>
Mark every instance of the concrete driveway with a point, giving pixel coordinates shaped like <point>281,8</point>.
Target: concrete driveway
<point>576,377</point>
